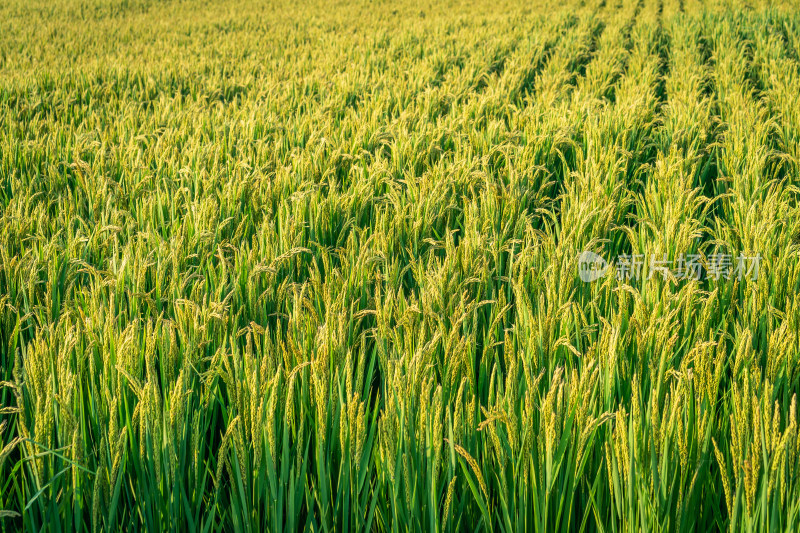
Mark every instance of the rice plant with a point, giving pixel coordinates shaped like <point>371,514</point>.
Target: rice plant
<point>321,266</point>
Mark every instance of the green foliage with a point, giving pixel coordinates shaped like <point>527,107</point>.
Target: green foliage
<point>271,267</point>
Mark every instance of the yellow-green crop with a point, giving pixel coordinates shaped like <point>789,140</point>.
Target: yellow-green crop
<point>278,266</point>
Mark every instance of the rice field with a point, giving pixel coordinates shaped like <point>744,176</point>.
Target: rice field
<point>488,266</point>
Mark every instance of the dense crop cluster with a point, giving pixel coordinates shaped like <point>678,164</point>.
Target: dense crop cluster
<point>267,266</point>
